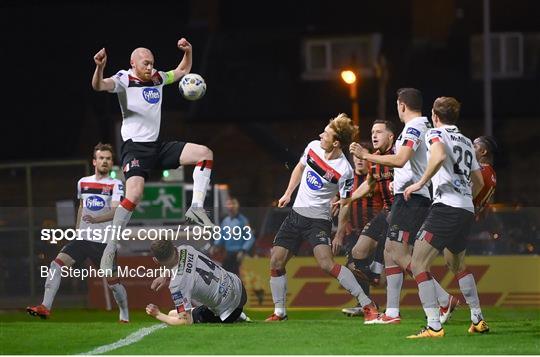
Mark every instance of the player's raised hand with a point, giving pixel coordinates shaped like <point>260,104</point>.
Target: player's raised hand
<point>184,45</point>
<point>158,283</point>
<point>152,310</point>
<point>101,57</point>
<point>411,189</point>
<point>357,150</point>
<point>284,201</point>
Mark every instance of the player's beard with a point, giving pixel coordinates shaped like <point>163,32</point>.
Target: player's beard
<point>104,171</point>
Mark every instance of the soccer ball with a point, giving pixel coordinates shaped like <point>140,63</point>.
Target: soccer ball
<point>192,86</point>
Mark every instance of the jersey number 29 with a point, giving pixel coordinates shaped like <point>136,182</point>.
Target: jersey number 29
<point>465,157</point>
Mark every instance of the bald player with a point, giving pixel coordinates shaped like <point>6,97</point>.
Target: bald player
<point>140,93</point>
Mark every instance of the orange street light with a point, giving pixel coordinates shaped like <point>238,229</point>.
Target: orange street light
<point>349,77</point>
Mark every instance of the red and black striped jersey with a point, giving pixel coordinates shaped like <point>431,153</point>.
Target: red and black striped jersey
<point>383,175</point>
<point>364,209</point>
<point>490,181</point>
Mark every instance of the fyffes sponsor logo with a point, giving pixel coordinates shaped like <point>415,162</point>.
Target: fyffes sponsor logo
<point>95,203</point>
<point>151,95</point>
<point>313,181</point>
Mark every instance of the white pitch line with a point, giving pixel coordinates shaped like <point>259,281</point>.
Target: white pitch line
<point>132,338</point>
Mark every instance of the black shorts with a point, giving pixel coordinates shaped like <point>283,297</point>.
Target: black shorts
<point>447,227</point>
<point>79,250</point>
<point>406,217</point>
<point>377,227</point>
<point>139,158</point>
<point>297,228</point>
<point>203,315</point>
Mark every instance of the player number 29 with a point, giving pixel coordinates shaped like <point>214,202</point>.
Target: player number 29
<point>465,157</point>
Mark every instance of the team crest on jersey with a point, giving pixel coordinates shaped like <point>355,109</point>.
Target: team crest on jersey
<point>313,181</point>
<point>106,190</point>
<point>329,175</point>
<point>151,95</point>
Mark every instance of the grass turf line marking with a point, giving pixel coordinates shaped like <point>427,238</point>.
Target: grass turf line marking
<point>130,339</point>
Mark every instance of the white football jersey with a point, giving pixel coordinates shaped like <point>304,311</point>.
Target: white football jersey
<point>141,104</point>
<point>452,183</point>
<point>320,182</point>
<point>200,279</point>
<point>412,136</point>
<point>97,197</point>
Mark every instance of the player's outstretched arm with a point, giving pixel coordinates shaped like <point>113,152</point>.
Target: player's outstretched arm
<point>173,318</point>
<point>365,188</point>
<point>185,65</point>
<point>396,160</point>
<point>294,181</point>
<point>436,159</point>
<point>98,82</point>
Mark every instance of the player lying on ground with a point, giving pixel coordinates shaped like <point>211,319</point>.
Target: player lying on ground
<point>323,170</point>
<point>409,163</point>
<point>99,196</point>
<point>140,93</point>
<point>451,168</point>
<point>197,279</point>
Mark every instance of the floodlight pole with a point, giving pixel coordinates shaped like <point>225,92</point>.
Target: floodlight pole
<point>353,94</point>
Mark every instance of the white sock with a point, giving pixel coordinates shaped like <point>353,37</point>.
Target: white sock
<point>376,267</point>
<point>121,218</point>
<point>123,213</point>
<point>51,284</point>
<point>394,281</point>
<point>348,281</point>
<point>442,296</point>
<point>278,285</point>
<point>120,295</point>
<point>433,318</point>
<point>428,297</point>
<point>467,285</point>
<point>201,179</point>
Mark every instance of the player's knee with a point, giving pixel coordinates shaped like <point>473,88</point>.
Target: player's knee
<point>456,267</point>
<point>207,154</point>
<point>355,251</point>
<point>277,262</point>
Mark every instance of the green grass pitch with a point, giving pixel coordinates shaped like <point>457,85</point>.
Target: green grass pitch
<point>513,331</point>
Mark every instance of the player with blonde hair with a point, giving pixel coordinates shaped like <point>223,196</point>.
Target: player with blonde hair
<point>322,172</point>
